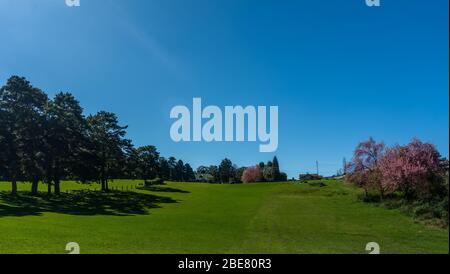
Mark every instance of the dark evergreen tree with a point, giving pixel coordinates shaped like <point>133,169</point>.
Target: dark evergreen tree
<point>179,171</point>
<point>23,108</point>
<point>147,167</point>
<point>172,166</point>
<point>226,171</point>
<point>110,145</point>
<point>131,166</point>
<point>164,169</point>
<point>65,130</point>
<point>238,174</point>
<point>189,174</point>
<point>276,169</point>
<point>262,165</point>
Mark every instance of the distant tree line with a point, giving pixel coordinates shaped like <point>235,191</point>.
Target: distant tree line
<point>227,172</point>
<point>50,140</point>
<point>47,141</point>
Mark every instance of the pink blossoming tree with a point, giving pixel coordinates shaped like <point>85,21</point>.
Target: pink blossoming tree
<point>410,168</point>
<point>364,168</point>
<point>252,174</point>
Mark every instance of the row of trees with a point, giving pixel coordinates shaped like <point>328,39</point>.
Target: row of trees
<point>262,172</point>
<point>49,140</point>
<point>145,163</point>
<point>227,172</point>
<point>44,140</point>
<point>415,170</point>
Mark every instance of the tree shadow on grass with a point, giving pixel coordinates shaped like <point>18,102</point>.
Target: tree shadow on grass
<point>14,211</point>
<point>157,188</point>
<point>89,203</point>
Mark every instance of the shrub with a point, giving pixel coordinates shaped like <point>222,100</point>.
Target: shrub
<point>156,181</point>
<point>317,184</point>
<point>305,177</point>
<point>283,177</point>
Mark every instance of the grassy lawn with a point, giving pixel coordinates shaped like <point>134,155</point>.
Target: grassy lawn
<point>205,218</point>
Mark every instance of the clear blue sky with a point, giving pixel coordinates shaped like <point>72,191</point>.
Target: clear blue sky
<point>338,70</point>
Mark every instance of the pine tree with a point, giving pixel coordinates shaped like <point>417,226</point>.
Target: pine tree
<point>276,169</point>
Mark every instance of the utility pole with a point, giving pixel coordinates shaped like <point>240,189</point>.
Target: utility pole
<point>317,167</point>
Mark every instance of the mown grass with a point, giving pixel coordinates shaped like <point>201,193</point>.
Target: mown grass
<point>206,218</point>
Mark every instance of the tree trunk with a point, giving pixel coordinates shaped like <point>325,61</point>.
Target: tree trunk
<point>49,188</point>
<point>34,187</point>
<point>14,187</point>
<point>57,179</point>
<point>103,185</point>
<point>408,194</point>
<point>57,187</point>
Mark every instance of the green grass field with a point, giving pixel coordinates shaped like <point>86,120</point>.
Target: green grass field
<point>205,218</point>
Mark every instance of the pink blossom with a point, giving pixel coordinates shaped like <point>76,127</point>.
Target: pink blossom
<point>363,169</point>
<point>408,168</point>
<point>252,174</point>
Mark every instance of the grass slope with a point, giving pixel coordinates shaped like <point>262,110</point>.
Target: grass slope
<point>205,218</point>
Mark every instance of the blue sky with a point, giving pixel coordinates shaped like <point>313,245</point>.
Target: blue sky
<point>338,70</point>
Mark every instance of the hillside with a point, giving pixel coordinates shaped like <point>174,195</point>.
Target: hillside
<point>208,218</point>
